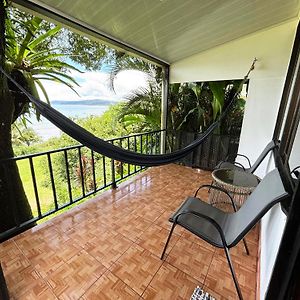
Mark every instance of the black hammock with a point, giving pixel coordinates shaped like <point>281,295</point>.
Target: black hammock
<point>103,147</point>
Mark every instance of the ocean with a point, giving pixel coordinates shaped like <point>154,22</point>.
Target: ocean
<point>46,130</point>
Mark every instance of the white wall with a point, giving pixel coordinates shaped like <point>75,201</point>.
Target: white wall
<point>232,60</point>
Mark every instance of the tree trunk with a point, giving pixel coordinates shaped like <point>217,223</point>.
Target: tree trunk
<point>15,208</point>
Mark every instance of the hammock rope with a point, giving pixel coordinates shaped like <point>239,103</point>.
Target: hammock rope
<point>106,148</point>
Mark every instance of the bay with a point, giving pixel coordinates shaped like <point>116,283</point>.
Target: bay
<point>46,129</point>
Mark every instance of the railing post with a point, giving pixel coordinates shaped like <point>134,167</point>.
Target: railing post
<point>147,143</point>
<point>113,173</point>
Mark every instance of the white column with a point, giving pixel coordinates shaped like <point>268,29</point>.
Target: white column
<point>164,106</point>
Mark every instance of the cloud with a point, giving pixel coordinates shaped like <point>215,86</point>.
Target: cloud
<point>95,85</point>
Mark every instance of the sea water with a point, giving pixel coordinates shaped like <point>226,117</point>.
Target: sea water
<point>46,129</point>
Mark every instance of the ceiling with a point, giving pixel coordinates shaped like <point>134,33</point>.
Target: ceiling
<point>171,30</point>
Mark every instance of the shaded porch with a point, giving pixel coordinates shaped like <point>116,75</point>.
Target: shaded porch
<point>109,247</point>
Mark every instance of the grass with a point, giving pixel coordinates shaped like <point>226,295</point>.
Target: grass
<point>44,186</point>
<point>44,192</point>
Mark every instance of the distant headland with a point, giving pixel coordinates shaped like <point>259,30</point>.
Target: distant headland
<point>83,102</point>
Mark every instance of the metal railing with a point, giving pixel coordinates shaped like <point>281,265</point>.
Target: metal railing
<point>56,179</point>
<point>208,154</point>
<point>73,173</point>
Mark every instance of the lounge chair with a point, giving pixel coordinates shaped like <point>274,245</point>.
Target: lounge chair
<point>228,164</point>
<point>225,230</point>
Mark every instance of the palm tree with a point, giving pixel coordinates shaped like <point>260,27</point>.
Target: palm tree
<point>29,62</point>
<point>24,57</point>
<point>142,111</point>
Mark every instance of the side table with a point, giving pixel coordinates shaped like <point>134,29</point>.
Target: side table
<point>238,183</point>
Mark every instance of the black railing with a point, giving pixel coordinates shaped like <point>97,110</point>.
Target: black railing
<point>208,154</point>
<point>56,179</point>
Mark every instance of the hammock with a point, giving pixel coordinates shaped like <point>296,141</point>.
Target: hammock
<point>105,148</point>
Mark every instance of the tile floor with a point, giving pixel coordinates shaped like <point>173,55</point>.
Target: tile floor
<point>109,248</point>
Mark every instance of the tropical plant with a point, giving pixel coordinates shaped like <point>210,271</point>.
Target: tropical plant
<point>142,110</point>
<point>28,62</point>
<point>195,106</point>
<point>24,136</point>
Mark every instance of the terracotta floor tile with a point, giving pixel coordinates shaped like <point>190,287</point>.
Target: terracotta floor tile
<point>37,294</point>
<point>109,287</point>
<point>36,236</point>
<point>9,250</point>
<point>14,264</point>
<point>149,212</point>
<point>72,279</point>
<point>84,233</point>
<point>219,279</point>
<point>66,250</point>
<point>191,258</point>
<point>71,219</point>
<point>239,256</point>
<point>136,267</point>
<point>163,221</point>
<point>154,239</point>
<point>132,226</point>
<point>170,283</point>
<point>253,234</point>
<point>45,260</point>
<point>112,217</point>
<point>124,230</point>
<point>107,247</point>
<point>186,235</point>
<point>23,281</point>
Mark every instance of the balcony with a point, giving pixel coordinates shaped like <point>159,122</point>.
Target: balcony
<point>109,248</point>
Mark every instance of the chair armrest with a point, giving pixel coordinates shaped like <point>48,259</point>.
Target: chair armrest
<point>237,163</point>
<point>246,157</point>
<point>295,171</point>
<point>219,189</point>
<point>207,218</point>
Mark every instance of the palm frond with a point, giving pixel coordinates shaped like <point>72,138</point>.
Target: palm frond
<point>54,78</point>
<point>52,73</point>
<point>33,25</point>
<point>38,82</point>
<point>33,44</point>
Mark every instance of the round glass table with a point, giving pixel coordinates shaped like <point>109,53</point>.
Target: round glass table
<point>238,183</point>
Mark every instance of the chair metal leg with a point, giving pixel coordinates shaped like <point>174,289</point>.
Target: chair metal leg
<point>211,184</point>
<point>246,247</point>
<point>238,289</point>
<point>168,240</point>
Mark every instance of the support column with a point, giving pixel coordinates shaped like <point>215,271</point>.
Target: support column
<point>164,108</point>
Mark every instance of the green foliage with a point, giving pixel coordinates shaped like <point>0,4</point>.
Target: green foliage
<point>195,106</point>
<point>88,53</point>
<point>25,140</point>
<point>142,112</point>
<point>29,61</point>
<point>122,61</point>
<point>107,125</point>
<point>218,91</point>
<point>192,107</point>
<point>23,136</point>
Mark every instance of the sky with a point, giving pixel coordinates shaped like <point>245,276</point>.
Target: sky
<point>95,85</point>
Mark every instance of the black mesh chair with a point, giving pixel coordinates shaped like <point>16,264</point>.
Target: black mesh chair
<point>227,164</point>
<point>222,229</point>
